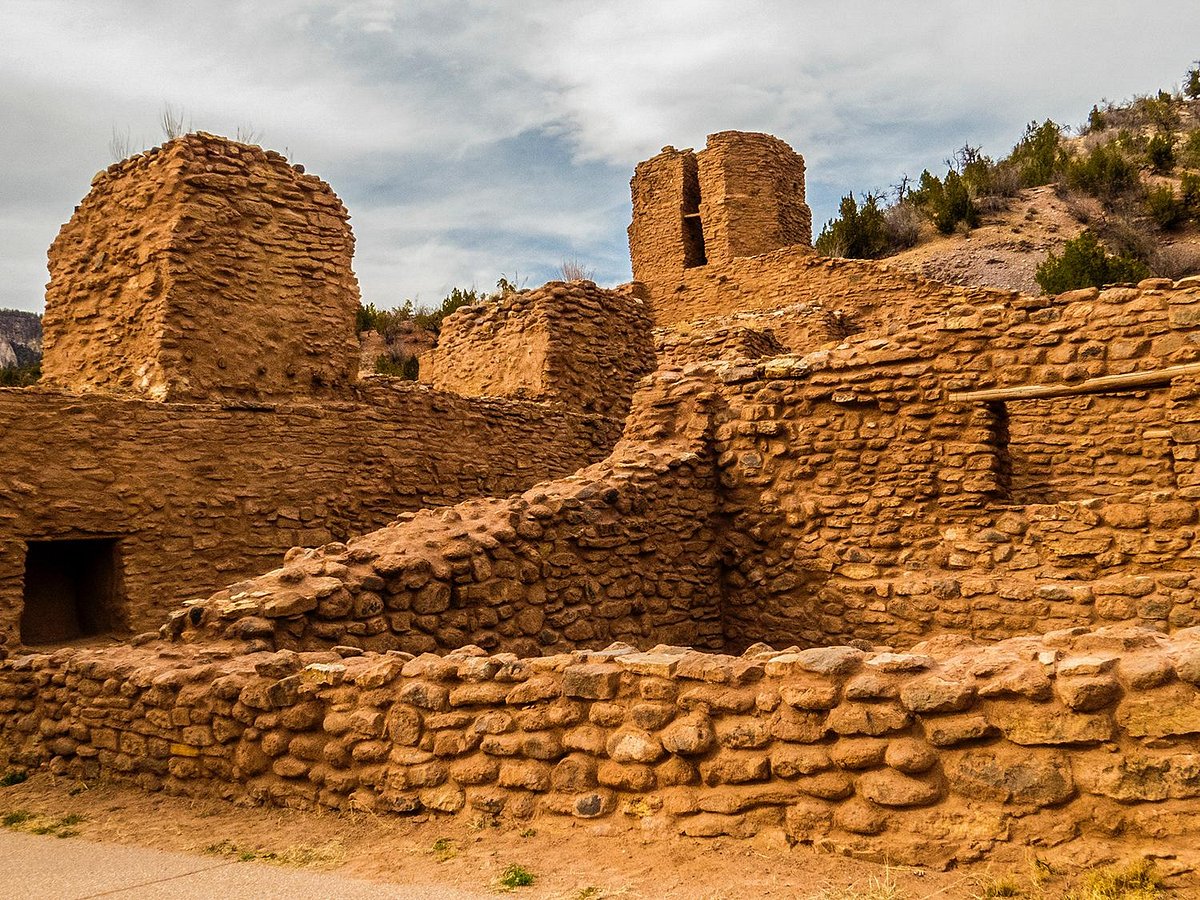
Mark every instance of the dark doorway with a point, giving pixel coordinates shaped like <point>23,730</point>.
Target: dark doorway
<point>71,589</point>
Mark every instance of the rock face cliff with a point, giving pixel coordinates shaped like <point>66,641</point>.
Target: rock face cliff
<point>20,338</point>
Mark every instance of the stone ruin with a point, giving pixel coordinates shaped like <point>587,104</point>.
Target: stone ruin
<point>763,541</point>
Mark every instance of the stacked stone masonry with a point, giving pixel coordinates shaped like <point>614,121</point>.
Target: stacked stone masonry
<point>930,756</point>
<point>742,196</point>
<point>568,342</point>
<point>802,468</point>
<point>622,550</point>
<point>200,269</point>
<point>198,495</point>
<point>848,498</point>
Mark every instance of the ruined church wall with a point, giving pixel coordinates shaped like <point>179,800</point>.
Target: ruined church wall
<point>870,294</point>
<point>751,196</point>
<point>864,503</point>
<point>622,550</point>
<point>570,342</point>
<point>200,495</point>
<point>924,758</point>
<point>200,239</point>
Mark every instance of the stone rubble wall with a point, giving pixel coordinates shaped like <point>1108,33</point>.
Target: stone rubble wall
<point>851,500</point>
<point>863,504</point>
<point>679,347</point>
<point>622,550</point>
<point>869,295</point>
<point>664,189</point>
<point>571,342</point>
<point>751,196</point>
<point>927,757</point>
<point>197,238</point>
<point>741,196</point>
<point>200,495</point>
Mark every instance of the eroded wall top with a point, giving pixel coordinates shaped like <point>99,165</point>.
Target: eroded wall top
<point>566,341</point>
<point>200,269</point>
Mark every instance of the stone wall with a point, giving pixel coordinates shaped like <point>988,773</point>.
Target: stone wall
<point>751,196</point>
<point>854,499</point>
<point>624,549</point>
<point>571,342</point>
<point>198,495</point>
<point>864,504</point>
<point>925,757</point>
<point>678,347</point>
<point>743,195</point>
<point>869,295</point>
<point>199,238</point>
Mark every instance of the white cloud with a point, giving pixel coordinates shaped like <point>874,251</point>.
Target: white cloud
<point>413,109</point>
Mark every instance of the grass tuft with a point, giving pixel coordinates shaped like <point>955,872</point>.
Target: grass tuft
<point>516,876</point>
<point>1137,880</point>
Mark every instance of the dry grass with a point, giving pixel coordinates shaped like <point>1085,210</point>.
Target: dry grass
<point>1133,881</point>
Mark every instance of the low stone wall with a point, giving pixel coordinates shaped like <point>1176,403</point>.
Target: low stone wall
<point>199,495</point>
<point>924,757</point>
<point>870,294</point>
<point>625,549</point>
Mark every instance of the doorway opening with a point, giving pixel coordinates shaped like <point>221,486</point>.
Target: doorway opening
<point>72,588</point>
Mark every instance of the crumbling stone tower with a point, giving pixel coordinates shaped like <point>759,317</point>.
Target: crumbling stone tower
<point>203,269</point>
<point>743,195</point>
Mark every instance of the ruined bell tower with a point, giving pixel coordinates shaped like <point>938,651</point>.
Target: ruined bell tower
<point>743,195</point>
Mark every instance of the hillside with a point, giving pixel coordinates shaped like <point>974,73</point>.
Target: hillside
<point>1131,176</point>
<point>20,338</point>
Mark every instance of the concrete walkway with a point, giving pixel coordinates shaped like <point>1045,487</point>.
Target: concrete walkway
<point>42,867</point>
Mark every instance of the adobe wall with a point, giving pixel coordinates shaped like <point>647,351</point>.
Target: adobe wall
<point>621,550</point>
<point>571,342</point>
<point>199,238</point>
<point>864,504</point>
<point>927,757</point>
<point>200,495</point>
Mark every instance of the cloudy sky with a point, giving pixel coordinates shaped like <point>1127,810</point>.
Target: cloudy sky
<point>472,139</point>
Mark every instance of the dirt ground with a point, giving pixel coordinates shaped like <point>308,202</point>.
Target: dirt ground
<point>584,862</point>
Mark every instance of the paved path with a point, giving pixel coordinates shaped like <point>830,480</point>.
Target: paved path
<point>42,867</point>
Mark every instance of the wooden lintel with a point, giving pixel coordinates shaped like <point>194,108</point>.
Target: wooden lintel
<point>1130,381</point>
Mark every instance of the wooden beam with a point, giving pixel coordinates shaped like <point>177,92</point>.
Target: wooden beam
<point>1131,381</point>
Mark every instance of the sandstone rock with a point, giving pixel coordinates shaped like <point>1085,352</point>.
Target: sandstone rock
<point>1028,777</point>
<point>910,755</point>
<point>858,753</point>
<point>592,681</point>
<point>734,767</point>
<point>937,694</point>
<point>526,774</point>
<point>811,695</point>
<point>633,745</point>
<point>1163,713</point>
<point>860,817</point>
<point>652,716</point>
<point>826,785</point>
<point>948,731</point>
<point>790,761</point>
<point>689,736</point>
<point>632,778</point>
<point>1049,725</point>
<point>820,660</point>
<point>447,798</point>
<point>887,787</point>
<point>867,718</point>
<point>1085,693</point>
